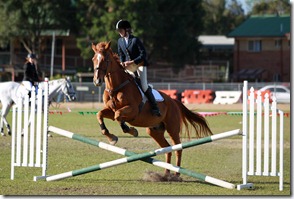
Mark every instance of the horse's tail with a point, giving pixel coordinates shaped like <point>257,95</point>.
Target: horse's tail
<point>198,122</point>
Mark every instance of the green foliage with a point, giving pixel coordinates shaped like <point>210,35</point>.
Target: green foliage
<point>27,20</point>
<point>280,7</point>
<point>167,28</point>
<point>220,18</point>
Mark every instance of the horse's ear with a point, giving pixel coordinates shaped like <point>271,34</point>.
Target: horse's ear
<point>94,47</point>
<point>108,45</point>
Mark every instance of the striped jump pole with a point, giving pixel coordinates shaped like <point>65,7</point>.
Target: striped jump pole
<point>146,157</point>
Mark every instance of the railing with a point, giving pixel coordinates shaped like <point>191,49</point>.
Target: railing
<point>87,92</point>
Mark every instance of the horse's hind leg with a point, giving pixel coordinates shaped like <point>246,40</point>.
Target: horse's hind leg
<point>126,129</point>
<point>4,112</point>
<point>174,133</point>
<point>1,126</point>
<point>157,133</point>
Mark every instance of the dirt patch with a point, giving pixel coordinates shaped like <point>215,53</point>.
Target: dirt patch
<point>151,176</point>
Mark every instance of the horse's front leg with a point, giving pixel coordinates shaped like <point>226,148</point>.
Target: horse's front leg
<point>106,113</point>
<point>7,126</point>
<point>126,129</point>
<point>127,113</point>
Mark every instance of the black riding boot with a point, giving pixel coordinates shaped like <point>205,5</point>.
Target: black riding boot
<point>155,110</point>
<point>30,95</point>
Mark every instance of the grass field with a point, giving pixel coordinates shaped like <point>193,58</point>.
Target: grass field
<point>220,159</point>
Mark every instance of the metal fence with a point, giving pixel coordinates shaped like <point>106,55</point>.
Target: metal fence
<point>87,92</point>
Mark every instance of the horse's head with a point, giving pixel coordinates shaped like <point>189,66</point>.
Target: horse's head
<point>68,90</point>
<point>102,61</point>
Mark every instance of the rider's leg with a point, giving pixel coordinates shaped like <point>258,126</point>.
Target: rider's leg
<point>28,85</point>
<point>148,91</point>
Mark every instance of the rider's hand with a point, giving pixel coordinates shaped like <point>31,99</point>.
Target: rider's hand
<point>127,63</point>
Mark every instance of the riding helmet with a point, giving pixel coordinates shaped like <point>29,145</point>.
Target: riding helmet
<point>31,55</point>
<point>123,24</point>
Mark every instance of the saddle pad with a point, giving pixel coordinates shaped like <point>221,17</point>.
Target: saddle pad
<point>156,94</point>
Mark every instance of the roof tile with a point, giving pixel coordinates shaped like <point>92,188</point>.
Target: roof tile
<point>263,26</point>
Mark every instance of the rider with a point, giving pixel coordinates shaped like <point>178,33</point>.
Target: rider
<point>132,51</point>
<point>30,76</point>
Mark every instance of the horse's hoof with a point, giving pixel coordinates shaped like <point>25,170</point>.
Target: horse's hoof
<point>9,133</point>
<point>133,132</point>
<point>2,134</point>
<point>113,140</point>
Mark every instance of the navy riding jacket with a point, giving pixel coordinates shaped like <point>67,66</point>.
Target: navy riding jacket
<point>30,73</point>
<point>134,50</point>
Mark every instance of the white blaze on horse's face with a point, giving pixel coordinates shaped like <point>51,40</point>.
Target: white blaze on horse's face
<point>99,57</point>
<point>97,81</point>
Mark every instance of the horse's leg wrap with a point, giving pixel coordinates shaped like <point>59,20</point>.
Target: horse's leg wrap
<point>104,130</point>
<point>129,130</point>
<point>8,129</point>
<point>102,126</point>
<point>124,127</point>
<point>111,138</point>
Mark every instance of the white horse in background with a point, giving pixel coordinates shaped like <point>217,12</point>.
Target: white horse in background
<point>11,91</point>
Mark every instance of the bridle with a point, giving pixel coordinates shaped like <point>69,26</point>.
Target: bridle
<point>68,91</point>
<point>108,74</point>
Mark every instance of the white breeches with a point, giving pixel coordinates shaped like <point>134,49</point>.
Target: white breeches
<point>142,71</point>
<point>28,85</point>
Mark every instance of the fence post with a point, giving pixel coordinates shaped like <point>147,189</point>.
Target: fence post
<point>251,155</point>
<point>29,143</point>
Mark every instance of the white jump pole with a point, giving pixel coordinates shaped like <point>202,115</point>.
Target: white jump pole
<point>135,157</point>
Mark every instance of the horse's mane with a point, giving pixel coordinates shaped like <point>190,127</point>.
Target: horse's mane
<point>101,49</point>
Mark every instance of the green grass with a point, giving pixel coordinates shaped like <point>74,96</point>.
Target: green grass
<point>220,159</point>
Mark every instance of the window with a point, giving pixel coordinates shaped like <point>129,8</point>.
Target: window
<point>254,45</point>
<point>278,90</point>
<point>278,43</point>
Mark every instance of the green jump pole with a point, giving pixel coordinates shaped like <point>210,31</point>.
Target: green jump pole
<point>146,157</point>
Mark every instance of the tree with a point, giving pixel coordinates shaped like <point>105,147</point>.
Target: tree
<point>235,15</point>
<point>26,21</point>
<point>262,7</point>
<point>222,17</point>
<point>178,23</point>
<point>168,27</point>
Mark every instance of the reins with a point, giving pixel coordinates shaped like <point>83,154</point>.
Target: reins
<point>118,88</point>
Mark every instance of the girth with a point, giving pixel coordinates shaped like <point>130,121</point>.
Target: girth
<point>117,88</point>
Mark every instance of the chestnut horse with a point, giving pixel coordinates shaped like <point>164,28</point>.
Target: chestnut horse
<point>123,102</point>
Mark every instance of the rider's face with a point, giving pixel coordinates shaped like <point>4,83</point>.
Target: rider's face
<point>122,32</point>
<point>32,60</point>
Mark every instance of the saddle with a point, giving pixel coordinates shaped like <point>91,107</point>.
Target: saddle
<point>158,97</point>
